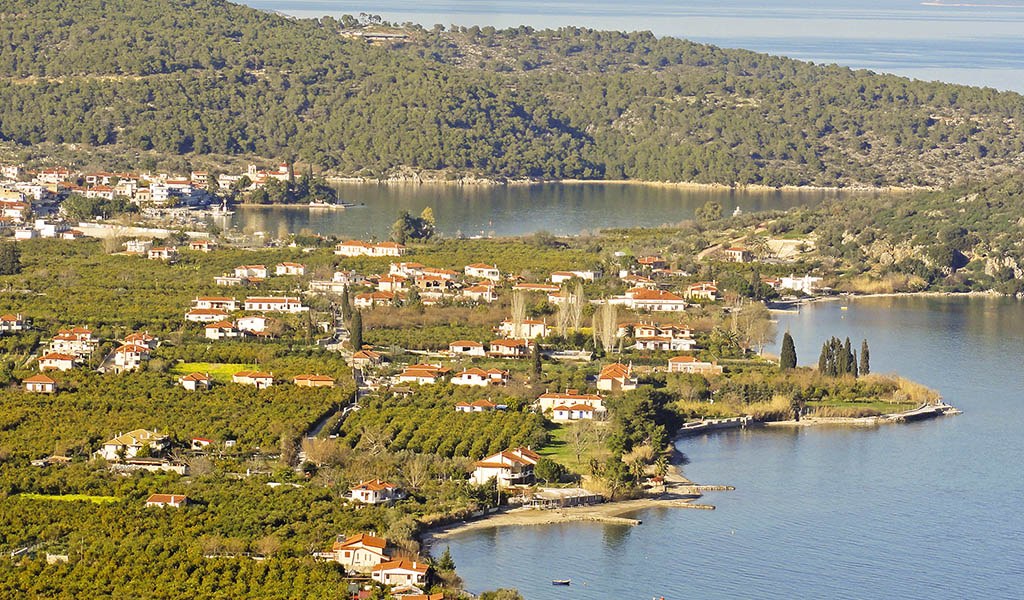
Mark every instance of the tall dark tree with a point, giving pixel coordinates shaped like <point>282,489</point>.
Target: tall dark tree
<point>787,358</point>
<point>823,359</point>
<point>10,259</point>
<point>865,358</point>
<point>538,366</point>
<point>346,305</point>
<point>356,331</point>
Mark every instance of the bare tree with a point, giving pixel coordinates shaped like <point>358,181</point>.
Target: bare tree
<point>576,301</point>
<point>753,326</point>
<point>580,438</point>
<point>606,326</point>
<point>518,313</point>
<point>416,470</point>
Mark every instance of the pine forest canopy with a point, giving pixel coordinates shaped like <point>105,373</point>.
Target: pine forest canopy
<point>207,77</point>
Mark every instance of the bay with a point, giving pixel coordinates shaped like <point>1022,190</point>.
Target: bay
<point>922,510</point>
<point>472,210</point>
<point>975,43</point>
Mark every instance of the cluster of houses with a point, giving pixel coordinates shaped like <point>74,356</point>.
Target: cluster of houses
<point>258,379</point>
<point>253,274</point>
<point>215,313</point>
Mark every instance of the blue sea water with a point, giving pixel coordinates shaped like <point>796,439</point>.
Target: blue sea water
<point>973,43</point>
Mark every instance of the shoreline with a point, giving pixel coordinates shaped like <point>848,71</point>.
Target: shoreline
<point>690,185</point>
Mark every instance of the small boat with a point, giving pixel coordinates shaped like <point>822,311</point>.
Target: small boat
<point>561,581</point>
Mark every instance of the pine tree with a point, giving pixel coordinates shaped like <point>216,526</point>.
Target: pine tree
<point>865,358</point>
<point>356,333</point>
<point>787,358</point>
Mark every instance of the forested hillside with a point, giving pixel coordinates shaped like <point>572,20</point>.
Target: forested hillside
<point>200,77</point>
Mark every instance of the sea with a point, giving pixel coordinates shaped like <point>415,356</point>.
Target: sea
<point>930,509</point>
<point>973,43</point>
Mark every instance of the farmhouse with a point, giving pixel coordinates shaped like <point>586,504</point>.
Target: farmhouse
<point>376,492</point>
<point>508,467</point>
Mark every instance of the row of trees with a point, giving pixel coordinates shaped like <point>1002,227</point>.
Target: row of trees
<point>837,358</point>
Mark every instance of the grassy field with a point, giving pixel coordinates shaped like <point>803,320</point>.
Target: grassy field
<point>220,372</point>
<point>71,498</point>
<point>561,450</point>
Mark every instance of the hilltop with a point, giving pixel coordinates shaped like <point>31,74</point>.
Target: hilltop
<point>207,80</point>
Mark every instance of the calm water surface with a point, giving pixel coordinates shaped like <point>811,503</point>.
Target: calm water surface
<point>975,43</point>
<point>924,510</point>
<point>563,209</point>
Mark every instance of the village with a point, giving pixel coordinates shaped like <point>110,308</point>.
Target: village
<point>551,365</point>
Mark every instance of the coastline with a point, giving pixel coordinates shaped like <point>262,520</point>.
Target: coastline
<point>417,179</point>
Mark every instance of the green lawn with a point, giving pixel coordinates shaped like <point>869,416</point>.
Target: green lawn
<point>71,498</point>
<point>561,451</point>
<point>220,372</point>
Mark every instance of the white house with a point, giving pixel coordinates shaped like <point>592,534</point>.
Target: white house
<point>563,276</point>
<point>476,406</point>
<point>129,444</point>
<point>478,377</point>
<point>528,328</point>
<point>422,374</point>
<point>616,377</point>
<point>400,572</point>
<point>251,272</point>
<point>371,299</point>
<point>39,384</point>
<point>804,283</point>
<point>313,380</point>
<point>480,293</point>
<point>11,322</point>
<point>162,500</point>
<point>55,361</point>
<point>366,358</point>
<point>689,364</point>
<point>360,248</point>
<point>391,283</point>
<point>545,288</point>
<point>163,253</point>
<point>253,323</point>
<point>289,268</point>
<point>376,492</point>
<point>650,300</point>
<point>467,348</point>
<point>130,356</point>
<point>575,412</point>
<point>195,381</point>
<point>225,303</point>
<point>508,467</point>
<point>483,271</point>
<point>509,348</point>
<point>221,330</point>
<point>703,290</point>
<point>549,400</point>
<point>258,379</point>
<point>205,315</point>
<point>270,304</point>
<point>360,552</point>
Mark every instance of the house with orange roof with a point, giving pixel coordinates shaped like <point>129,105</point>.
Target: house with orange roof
<point>162,500</point>
<point>652,262</point>
<point>360,552</point>
<point>168,253</point>
<point>509,348</point>
<point>130,357</point>
<point>221,330</point>
<point>575,412</point>
<point>559,277</point>
<point>15,322</point>
<point>353,248</point>
<point>366,358</point>
<point>703,290</point>
<point>480,293</point>
<point>467,348</point>
<point>275,304</point>
<point>422,374</point>
<point>509,467</point>
<point>206,315</point>
<point>225,303</point>
<point>289,268</point>
<point>545,288</point>
<point>483,271</point>
<point>251,272</point>
<point>616,377</point>
<point>549,400</point>
<point>56,361</point>
<point>527,328</point>
<point>476,406</point>
<point>77,341</point>
<point>478,377</point>
<point>195,381</point>
<point>650,300</point>
<point>392,283</point>
<point>689,364</point>
<point>400,572</point>
<point>371,299</point>
<point>737,254</point>
<point>376,492</point>
<point>258,379</point>
<point>39,384</point>
<point>202,246</point>
<point>309,380</point>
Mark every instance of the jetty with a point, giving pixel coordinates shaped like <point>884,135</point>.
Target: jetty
<point>925,411</point>
<point>705,425</point>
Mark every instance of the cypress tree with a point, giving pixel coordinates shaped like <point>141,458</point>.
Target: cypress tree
<point>537,366</point>
<point>346,305</point>
<point>848,364</point>
<point>823,359</point>
<point>356,333</point>
<point>787,358</point>
<point>853,365</point>
<point>865,358</point>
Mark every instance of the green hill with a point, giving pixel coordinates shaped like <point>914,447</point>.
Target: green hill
<point>202,77</point>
